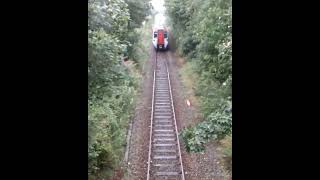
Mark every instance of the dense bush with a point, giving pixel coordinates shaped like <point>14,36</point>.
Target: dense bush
<point>203,32</point>
<point>111,86</point>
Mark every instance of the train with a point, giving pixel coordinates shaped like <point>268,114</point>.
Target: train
<point>160,38</point>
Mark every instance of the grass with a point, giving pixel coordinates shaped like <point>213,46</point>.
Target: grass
<point>188,78</point>
<point>144,44</point>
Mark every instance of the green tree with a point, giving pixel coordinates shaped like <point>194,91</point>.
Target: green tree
<point>111,87</point>
<point>203,31</point>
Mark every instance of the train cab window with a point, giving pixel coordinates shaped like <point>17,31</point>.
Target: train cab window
<point>155,35</point>
<point>165,35</point>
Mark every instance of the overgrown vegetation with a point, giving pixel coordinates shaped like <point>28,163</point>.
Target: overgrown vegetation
<point>203,33</point>
<point>112,84</point>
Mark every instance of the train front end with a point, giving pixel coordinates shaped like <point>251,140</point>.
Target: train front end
<point>160,39</point>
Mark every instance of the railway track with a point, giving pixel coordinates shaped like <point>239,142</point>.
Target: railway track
<point>164,160</point>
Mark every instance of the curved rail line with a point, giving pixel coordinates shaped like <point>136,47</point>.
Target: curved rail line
<point>164,160</point>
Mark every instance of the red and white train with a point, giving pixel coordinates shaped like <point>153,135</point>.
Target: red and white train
<point>160,38</point>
